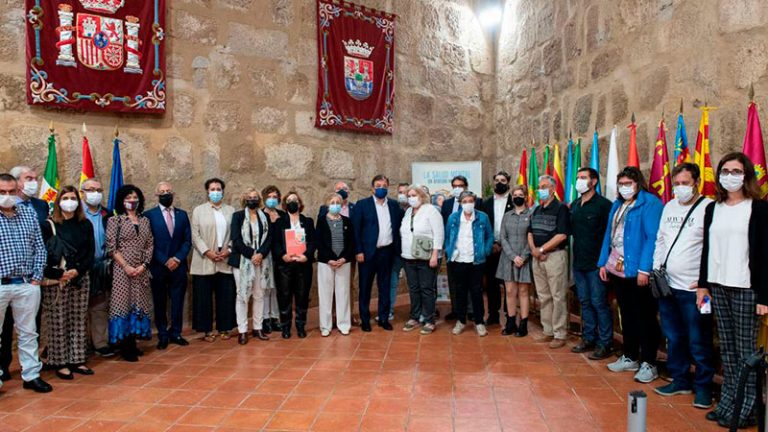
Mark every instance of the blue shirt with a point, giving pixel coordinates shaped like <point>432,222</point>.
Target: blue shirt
<point>22,251</point>
<point>99,236</point>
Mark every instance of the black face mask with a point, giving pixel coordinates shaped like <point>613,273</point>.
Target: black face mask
<point>500,188</point>
<point>165,200</point>
<point>292,207</point>
<point>518,201</point>
<point>343,194</point>
<point>252,204</point>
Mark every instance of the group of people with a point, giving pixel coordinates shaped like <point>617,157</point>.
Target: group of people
<point>78,271</point>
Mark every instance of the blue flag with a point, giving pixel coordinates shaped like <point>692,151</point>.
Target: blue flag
<point>682,154</point>
<point>116,179</point>
<point>594,161</point>
<point>568,171</point>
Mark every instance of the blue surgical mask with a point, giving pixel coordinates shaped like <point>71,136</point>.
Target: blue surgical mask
<point>380,192</point>
<point>334,209</point>
<point>543,194</point>
<point>271,203</point>
<point>215,196</point>
<point>343,194</point>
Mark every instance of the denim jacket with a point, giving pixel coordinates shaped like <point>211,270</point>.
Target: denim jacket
<point>482,235</point>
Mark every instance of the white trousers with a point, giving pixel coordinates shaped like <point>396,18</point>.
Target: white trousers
<point>271,309</point>
<point>332,281</point>
<point>24,300</point>
<point>255,300</point>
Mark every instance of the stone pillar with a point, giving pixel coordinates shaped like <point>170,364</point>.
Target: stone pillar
<point>132,45</point>
<point>66,39</point>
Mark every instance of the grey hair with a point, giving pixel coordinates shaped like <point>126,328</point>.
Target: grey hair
<point>467,194</point>
<point>548,178</point>
<point>17,171</point>
<point>87,181</point>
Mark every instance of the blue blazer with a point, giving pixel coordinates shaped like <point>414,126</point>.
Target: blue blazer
<point>166,246</point>
<point>640,227</point>
<point>365,223</point>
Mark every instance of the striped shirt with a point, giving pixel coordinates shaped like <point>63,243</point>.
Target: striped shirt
<point>22,251</point>
<point>337,235</point>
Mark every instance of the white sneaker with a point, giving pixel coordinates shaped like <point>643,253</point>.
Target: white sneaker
<point>481,330</point>
<point>624,364</point>
<point>458,328</point>
<point>325,333</point>
<point>646,374</point>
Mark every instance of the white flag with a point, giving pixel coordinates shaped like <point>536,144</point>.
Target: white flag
<point>613,168</point>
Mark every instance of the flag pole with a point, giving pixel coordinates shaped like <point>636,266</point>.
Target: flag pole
<point>751,93</point>
<point>117,132</point>
<point>681,105</point>
<point>85,130</point>
<point>50,127</point>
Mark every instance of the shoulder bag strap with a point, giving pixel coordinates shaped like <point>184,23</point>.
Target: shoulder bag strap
<point>680,231</point>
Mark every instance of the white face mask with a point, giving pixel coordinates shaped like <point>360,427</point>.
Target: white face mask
<point>68,205</point>
<point>582,185</point>
<point>414,201</point>
<point>457,191</point>
<point>732,183</point>
<point>402,198</point>
<point>7,201</point>
<point>93,198</point>
<point>468,207</point>
<point>627,192</point>
<point>683,193</point>
<point>30,188</point>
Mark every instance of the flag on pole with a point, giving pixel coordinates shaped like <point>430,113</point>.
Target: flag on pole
<point>573,194</point>
<point>661,182</point>
<point>546,167</point>
<point>701,156</point>
<point>613,167</point>
<point>50,188</point>
<point>533,178</point>
<point>522,176</point>
<point>558,174</point>
<point>632,158</point>
<point>87,171</point>
<point>116,179</point>
<point>754,149</point>
<point>682,154</point>
<point>594,160</point>
<point>568,170</point>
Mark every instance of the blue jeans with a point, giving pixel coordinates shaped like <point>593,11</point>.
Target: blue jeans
<point>596,316</point>
<point>689,336</point>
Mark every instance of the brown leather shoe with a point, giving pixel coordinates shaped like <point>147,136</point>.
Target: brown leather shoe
<point>242,338</point>
<point>259,334</point>
<point>557,343</point>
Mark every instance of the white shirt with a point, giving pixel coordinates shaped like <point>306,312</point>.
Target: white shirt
<point>221,227</point>
<point>728,259</point>
<point>164,210</point>
<point>385,223</point>
<point>499,208</point>
<point>456,205</point>
<point>427,222</point>
<point>685,260</point>
<point>465,246</point>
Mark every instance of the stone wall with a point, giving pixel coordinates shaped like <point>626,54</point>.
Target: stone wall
<point>581,65</point>
<point>242,86</point>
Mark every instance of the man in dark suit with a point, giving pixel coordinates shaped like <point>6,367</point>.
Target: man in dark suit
<point>172,234</point>
<point>342,189</point>
<point>495,207</point>
<point>28,188</point>
<point>376,223</point>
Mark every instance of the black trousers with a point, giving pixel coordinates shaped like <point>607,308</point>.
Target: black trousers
<point>493,286</point>
<point>468,280</point>
<point>173,286</point>
<point>222,285</point>
<point>293,282</point>
<point>379,266</point>
<point>6,341</point>
<point>639,324</point>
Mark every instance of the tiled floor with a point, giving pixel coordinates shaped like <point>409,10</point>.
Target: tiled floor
<point>378,381</point>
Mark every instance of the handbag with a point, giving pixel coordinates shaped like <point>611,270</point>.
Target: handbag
<point>421,247</point>
<point>659,279</point>
<point>57,249</point>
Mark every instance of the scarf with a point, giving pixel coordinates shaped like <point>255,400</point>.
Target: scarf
<point>247,269</point>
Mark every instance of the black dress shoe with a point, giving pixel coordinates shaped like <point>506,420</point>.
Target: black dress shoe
<point>366,327</point>
<point>583,347</point>
<point>5,375</point>
<point>242,338</point>
<point>162,344</point>
<point>62,375</point>
<point>260,335</point>
<point>385,325</point>
<point>179,341</point>
<point>601,353</point>
<point>286,332</point>
<point>275,324</point>
<point>38,385</point>
<point>266,327</point>
<point>712,416</point>
<point>301,332</point>
<point>82,370</point>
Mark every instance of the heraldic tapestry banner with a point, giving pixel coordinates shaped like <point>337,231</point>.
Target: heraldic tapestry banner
<point>356,68</point>
<point>101,55</point>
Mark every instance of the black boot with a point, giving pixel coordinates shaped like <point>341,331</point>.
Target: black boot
<point>522,329</point>
<point>266,327</point>
<point>300,331</point>
<point>128,349</point>
<point>510,327</point>
<point>286,331</point>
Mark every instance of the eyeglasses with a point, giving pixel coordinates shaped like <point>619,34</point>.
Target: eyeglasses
<point>631,183</point>
<point>734,172</point>
<point>93,190</point>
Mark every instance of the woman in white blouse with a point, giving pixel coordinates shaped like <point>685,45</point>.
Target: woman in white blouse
<point>422,236</point>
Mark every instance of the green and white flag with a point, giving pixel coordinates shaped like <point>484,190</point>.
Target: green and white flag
<point>50,187</point>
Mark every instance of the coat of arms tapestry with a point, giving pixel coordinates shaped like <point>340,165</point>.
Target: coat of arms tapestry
<point>101,55</point>
<point>356,68</point>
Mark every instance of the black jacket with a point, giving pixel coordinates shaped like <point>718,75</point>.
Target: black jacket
<point>323,241</point>
<point>239,248</point>
<point>278,240</point>
<point>758,249</point>
<point>74,241</point>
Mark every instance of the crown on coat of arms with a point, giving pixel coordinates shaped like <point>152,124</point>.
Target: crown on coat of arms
<point>108,6</point>
<point>357,48</point>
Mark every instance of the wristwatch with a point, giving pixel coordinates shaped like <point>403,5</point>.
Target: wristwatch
<point>541,250</point>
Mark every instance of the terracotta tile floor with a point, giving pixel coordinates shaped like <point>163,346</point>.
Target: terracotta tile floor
<point>376,381</point>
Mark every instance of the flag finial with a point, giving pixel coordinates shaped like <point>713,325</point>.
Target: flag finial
<point>633,117</point>
<point>681,105</point>
<point>751,92</point>
<point>117,132</point>
<point>50,126</point>
<point>662,114</point>
<point>85,130</point>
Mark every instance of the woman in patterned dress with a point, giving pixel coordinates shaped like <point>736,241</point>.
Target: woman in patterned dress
<point>69,239</point>
<point>129,242</point>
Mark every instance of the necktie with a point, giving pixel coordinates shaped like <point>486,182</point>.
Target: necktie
<point>169,221</point>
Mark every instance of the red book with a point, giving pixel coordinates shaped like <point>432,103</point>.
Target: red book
<point>295,242</point>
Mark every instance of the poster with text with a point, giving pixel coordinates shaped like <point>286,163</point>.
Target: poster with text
<point>437,176</point>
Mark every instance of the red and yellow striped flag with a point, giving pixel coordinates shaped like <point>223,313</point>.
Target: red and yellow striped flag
<point>701,156</point>
<point>87,172</point>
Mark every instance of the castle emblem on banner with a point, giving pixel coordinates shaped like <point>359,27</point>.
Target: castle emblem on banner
<point>358,70</point>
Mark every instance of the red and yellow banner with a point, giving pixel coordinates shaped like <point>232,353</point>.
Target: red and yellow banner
<point>701,156</point>
<point>661,183</point>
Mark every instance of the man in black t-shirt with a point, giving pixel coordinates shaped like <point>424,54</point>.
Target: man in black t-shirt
<point>547,237</point>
